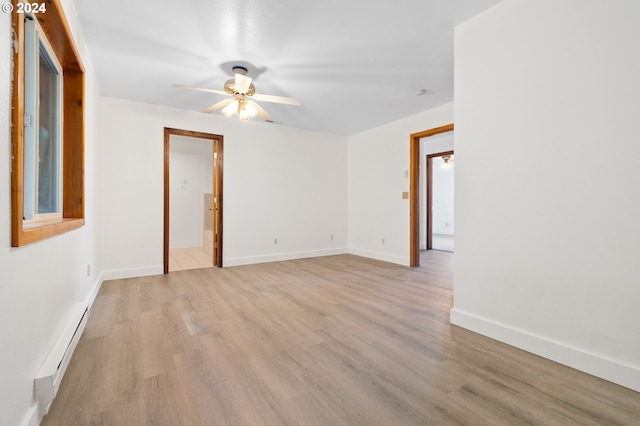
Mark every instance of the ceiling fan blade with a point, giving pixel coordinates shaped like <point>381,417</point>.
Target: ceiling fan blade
<point>218,105</point>
<point>242,83</point>
<point>261,112</point>
<point>277,99</point>
<point>199,89</point>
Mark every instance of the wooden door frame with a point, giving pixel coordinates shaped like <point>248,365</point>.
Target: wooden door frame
<point>414,190</point>
<point>218,152</point>
<point>429,193</point>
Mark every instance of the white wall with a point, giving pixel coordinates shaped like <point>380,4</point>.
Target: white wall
<point>190,177</point>
<point>279,182</point>
<point>546,241</point>
<point>41,282</point>
<point>378,159</point>
<point>441,142</point>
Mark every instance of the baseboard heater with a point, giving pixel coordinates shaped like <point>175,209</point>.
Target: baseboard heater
<point>50,375</point>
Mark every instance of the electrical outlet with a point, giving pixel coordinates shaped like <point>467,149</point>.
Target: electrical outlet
<point>275,241</point>
<point>331,237</point>
<point>88,270</point>
<point>383,241</point>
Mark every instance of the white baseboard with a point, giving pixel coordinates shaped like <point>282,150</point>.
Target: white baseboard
<point>594,364</point>
<point>249,260</point>
<point>132,273</point>
<point>31,418</point>
<point>94,291</point>
<point>379,256</point>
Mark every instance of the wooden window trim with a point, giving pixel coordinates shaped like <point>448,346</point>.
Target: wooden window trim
<point>55,27</point>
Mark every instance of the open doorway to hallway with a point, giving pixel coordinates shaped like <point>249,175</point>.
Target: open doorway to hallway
<point>436,207</point>
<point>191,203</point>
<point>436,140</point>
<point>193,200</point>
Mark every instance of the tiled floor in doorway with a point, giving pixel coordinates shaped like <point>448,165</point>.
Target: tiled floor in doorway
<point>181,259</point>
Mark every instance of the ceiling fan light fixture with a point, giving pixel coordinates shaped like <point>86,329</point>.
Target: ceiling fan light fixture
<point>241,108</point>
<point>242,103</point>
<point>246,111</point>
<point>231,109</point>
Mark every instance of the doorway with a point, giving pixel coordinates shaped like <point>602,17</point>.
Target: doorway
<point>212,202</point>
<point>414,190</point>
<point>439,201</point>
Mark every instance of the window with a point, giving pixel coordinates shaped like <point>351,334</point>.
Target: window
<point>42,158</point>
<point>47,128</point>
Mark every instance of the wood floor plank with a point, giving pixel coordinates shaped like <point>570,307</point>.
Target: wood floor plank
<point>337,340</point>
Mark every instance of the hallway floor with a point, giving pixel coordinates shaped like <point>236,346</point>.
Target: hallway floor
<point>181,259</point>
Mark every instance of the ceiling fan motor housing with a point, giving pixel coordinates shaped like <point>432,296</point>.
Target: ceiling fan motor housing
<point>230,85</point>
<point>230,88</point>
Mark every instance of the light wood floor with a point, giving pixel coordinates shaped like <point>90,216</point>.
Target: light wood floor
<point>338,340</point>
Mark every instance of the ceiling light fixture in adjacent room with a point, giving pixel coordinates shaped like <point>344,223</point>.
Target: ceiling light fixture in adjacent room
<point>447,160</point>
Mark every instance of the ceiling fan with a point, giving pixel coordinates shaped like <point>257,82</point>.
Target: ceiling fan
<point>242,91</point>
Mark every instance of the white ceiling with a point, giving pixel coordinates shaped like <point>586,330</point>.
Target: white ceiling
<point>355,64</point>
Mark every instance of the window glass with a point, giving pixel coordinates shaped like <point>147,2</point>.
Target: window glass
<point>42,129</point>
<point>49,136</point>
